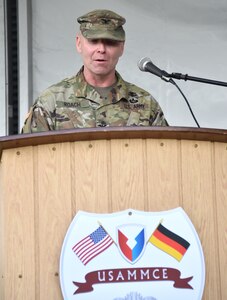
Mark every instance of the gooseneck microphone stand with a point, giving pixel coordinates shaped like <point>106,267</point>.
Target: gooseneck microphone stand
<point>145,64</point>
<point>169,78</point>
<point>187,77</point>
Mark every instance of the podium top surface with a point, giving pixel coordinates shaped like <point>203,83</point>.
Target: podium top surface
<point>73,135</point>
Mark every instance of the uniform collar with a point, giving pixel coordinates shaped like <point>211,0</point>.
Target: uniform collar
<point>84,90</point>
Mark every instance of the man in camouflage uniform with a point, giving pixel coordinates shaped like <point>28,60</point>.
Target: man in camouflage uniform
<point>97,96</point>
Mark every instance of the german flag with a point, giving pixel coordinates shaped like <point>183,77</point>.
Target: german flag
<point>169,242</point>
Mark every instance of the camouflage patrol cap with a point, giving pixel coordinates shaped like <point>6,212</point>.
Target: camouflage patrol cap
<point>102,24</point>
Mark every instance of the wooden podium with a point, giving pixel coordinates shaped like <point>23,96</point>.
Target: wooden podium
<point>45,178</point>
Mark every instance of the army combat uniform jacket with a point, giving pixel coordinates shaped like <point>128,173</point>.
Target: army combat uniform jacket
<point>73,103</point>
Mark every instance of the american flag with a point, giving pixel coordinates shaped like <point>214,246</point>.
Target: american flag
<point>92,245</point>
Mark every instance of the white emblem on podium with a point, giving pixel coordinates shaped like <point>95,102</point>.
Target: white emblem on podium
<point>132,255</point>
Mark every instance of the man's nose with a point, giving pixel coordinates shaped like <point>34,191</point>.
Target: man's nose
<point>101,46</point>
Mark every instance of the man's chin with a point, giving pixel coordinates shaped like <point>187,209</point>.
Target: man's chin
<point>101,71</point>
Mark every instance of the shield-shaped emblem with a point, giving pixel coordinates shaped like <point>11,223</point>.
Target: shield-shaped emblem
<point>104,255</point>
<point>131,241</point>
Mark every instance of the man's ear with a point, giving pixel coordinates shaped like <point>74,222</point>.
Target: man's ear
<point>78,43</point>
<point>122,47</point>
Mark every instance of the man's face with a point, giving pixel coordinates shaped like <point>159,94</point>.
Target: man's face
<point>100,56</point>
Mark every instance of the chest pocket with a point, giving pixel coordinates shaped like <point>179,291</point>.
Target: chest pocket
<point>118,114</point>
<point>74,117</point>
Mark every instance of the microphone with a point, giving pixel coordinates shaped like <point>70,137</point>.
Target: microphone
<point>146,65</point>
